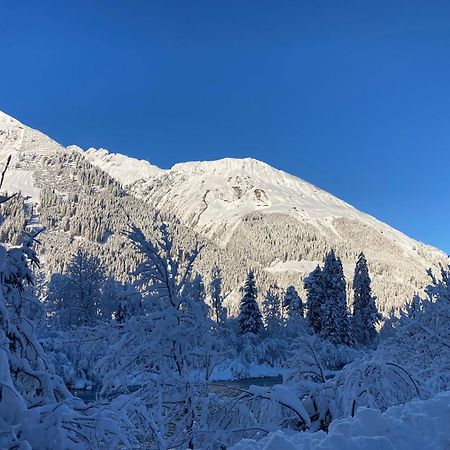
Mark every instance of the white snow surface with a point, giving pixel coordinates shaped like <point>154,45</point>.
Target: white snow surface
<point>304,267</point>
<point>213,197</point>
<point>417,425</point>
<point>17,140</point>
<point>208,194</point>
<point>18,180</point>
<point>124,169</point>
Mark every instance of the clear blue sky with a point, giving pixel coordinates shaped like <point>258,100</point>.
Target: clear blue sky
<point>353,96</point>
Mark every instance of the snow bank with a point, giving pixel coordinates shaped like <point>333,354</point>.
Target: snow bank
<point>418,425</point>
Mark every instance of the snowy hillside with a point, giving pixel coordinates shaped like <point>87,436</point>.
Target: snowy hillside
<point>122,168</point>
<point>289,222</point>
<point>206,195</point>
<point>26,146</point>
<point>258,216</point>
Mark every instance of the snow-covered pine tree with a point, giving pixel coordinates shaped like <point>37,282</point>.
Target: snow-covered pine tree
<point>129,303</point>
<point>109,299</point>
<point>365,312</point>
<point>335,318</point>
<point>196,288</point>
<point>439,290</point>
<point>292,304</point>
<point>250,318</point>
<point>315,297</point>
<point>76,295</point>
<point>215,289</point>
<point>120,313</point>
<point>271,307</point>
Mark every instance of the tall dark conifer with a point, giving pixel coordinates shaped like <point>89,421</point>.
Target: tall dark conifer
<point>335,318</point>
<point>313,284</point>
<point>292,304</point>
<point>365,312</point>
<point>215,288</point>
<point>250,319</point>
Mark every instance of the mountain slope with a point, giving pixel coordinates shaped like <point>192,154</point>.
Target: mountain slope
<point>285,225</point>
<point>122,168</point>
<point>248,213</point>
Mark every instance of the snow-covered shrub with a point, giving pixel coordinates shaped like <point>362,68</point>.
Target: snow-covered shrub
<point>73,354</point>
<point>417,425</point>
<point>169,351</point>
<point>421,338</point>
<point>373,383</point>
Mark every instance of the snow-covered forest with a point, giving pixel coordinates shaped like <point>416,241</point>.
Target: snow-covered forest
<point>152,359</point>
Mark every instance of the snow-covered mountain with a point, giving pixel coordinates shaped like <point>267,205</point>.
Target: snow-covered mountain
<point>213,196</point>
<point>252,214</point>
<point>122,168</point>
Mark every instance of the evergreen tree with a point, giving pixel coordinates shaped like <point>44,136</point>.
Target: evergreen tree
<point>335,320</point>
<point>365,313</point>
<point>75,297</point>
<point>272,310</point>
<point>293,304</point>
<point>196,288</point>
<point>250,319</point>
<point>313,284</point>
<point>120,314</point>
<point>215,287</point>
<point>109,300</point>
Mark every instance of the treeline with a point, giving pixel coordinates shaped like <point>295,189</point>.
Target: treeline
<point>325,310</point>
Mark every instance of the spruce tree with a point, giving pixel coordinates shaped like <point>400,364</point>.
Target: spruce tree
<point>76,296</point>
<point>120,314</point>
<point>215,288</point>
<point>335,320</point>
<point>292,304</point>
<point>272,310</point>
<point>249,318</point>
<point>365,312</point>
<point>313,284</point>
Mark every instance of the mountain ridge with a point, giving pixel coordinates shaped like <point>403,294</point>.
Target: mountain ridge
<point>259,216</point>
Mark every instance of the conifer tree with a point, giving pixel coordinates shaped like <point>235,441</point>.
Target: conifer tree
<point>76,295</point>
<point>215,287</point>
<point>250,319</point>
<point>335,320</point>
<point>313,284</point>
<point>120,314</point>
<point>293,304</point>
<point>272,310</point>
<point>365,313</point>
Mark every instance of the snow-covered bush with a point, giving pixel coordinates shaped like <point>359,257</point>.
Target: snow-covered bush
<point>168,352</point>
<point>417,425</point>
<point>421,338</point>
<point>373,383</point>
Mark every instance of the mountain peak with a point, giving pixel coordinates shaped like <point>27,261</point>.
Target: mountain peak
<point>225,164</point>
<point>124,169</point>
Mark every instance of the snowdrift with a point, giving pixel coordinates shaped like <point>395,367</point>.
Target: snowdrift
<point>417,425</point>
